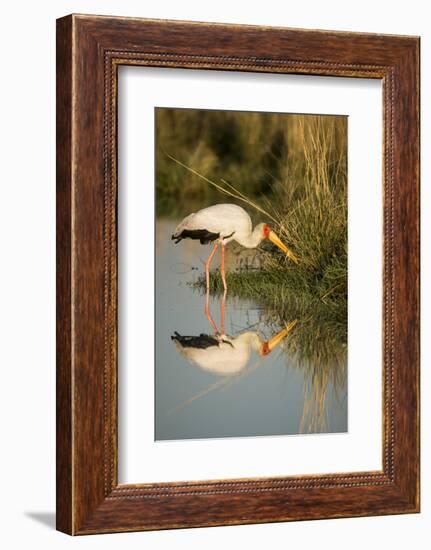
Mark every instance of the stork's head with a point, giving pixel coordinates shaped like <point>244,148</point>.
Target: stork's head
<point>266,230</point>
<point>267,233</point>
<point>271,344</point>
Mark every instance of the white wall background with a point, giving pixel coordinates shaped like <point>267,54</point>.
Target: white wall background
<point>27,298</point>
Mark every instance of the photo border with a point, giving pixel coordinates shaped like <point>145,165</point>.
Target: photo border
<point>141,460</point>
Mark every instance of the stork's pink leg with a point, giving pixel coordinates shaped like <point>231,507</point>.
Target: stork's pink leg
<point>223,275</point>
<point>208,312</point>
<point>207,265</point>
<point>222,308</point>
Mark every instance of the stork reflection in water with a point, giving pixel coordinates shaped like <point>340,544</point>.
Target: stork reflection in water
<point>223,354</point>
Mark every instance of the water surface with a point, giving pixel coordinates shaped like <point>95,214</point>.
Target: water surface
<point>212,386</point>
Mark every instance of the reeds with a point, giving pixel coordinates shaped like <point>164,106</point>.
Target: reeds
<point>252,151</point>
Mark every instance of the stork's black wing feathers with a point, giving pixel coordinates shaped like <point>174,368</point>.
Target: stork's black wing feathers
<point>203,341</point>
<point>203,235</point>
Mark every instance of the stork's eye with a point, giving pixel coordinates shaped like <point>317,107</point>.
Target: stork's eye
<point>266,230</point>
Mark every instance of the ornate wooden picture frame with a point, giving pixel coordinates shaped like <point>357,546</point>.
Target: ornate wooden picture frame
<point>89,51</point>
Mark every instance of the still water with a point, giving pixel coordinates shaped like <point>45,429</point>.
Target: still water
<point>236,382</point>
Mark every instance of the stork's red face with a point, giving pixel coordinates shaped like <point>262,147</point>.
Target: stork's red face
<point>267,347</point>
<point>269,234</point>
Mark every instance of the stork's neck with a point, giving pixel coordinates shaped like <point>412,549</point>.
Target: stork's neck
<point>251,240</point>
<point>256,341</point>
<point>250,339</point>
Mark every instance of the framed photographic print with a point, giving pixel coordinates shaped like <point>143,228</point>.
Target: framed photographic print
<point>237,274</point>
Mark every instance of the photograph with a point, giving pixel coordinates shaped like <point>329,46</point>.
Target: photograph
<point>251,265</point>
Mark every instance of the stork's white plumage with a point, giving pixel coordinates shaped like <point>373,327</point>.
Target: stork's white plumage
<point>221,224</point>
<point>222,354</point>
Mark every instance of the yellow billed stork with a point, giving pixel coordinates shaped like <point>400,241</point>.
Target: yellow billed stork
<point>222,223</point>
<point>226,355</point>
